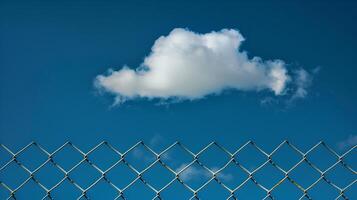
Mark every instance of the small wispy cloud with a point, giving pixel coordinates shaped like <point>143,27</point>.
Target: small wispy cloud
<point>155,142</point>
<point>143,154</point>
<point>185,65</point>
<point>348,142</point>
<point>157,139</point>
<point>196,173</point>
<point>302,81</point>
<point>299,88</point>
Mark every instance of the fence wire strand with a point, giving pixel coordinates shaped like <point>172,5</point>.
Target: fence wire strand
<point>178,174</point>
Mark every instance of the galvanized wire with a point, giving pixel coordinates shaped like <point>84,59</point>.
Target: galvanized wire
<point>177,173</point>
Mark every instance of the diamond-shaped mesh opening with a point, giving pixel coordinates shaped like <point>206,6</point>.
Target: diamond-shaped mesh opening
<point>213,191</point>
<point>157,170</point>
<point>49,175</point>
<point>176,157</point>
<point>32,157</point>
<point>304,175</point>
<point>145,191</point>
<point>103,157</point>
<point>85,175</point>
<point>321,157</point>
<point>286,157</point>
<point>268,181</point>
<point>341,176</point>
<point>121,175</point>
<point>322,191</point>
<point>250,191</point>
<point>287,190</point>
<point>67,157</point>
<point>232,175</point>
<point>13,175</point>
<point>176,191</point>
<point>250,157</point>
<point>140,157</point>
<point>214,157</point>
<point>194,175</point>
<point>102,190</point>
<point>66,190</point>
<point>30,189</point>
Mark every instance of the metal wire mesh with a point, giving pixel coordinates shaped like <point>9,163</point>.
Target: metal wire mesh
<point>179,175</point>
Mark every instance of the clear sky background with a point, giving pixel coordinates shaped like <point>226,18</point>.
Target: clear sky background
<point>51,52</point>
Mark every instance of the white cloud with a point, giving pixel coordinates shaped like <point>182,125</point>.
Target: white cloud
<point>188,65</point>
<point>298,89</point>
<point>192,173</point>
<point>196,173</point>
<point>303,80</point>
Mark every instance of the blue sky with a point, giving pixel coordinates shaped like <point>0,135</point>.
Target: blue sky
<point>52,52</point>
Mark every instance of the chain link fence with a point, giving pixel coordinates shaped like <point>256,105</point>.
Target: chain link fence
<point>177,171</point>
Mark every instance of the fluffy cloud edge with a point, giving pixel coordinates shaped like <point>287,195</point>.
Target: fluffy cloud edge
<point>185,65</point>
